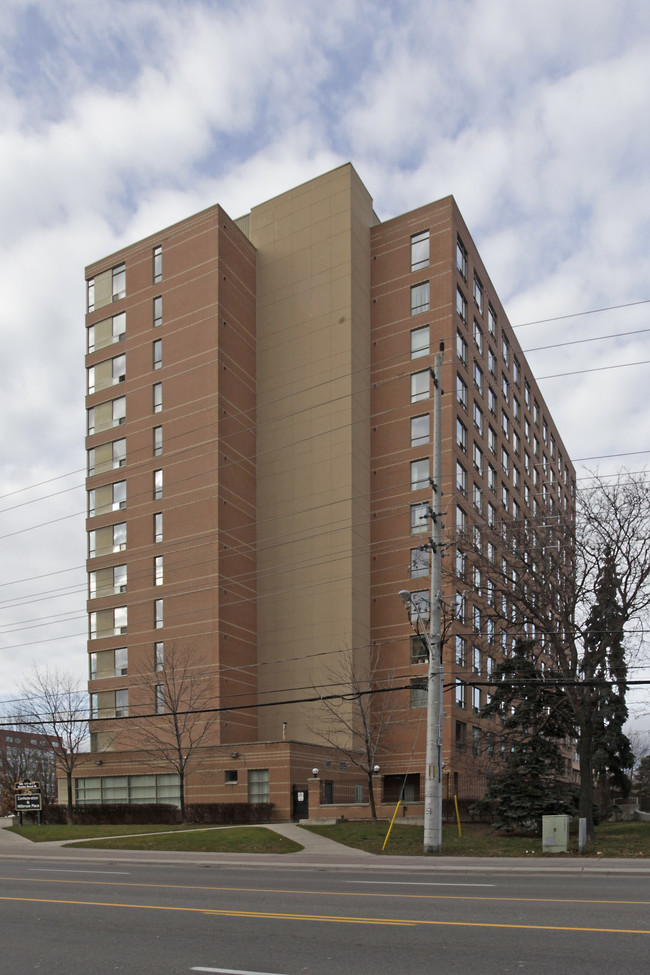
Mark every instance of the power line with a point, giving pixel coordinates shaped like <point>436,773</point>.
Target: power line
<point>578,314</point>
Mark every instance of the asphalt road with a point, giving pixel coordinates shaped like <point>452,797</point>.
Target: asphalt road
<point>88,918</point>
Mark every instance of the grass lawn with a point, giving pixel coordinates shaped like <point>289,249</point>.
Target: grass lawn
<point>612,840</point>
<point>43,834</point>
<point>193,839</point>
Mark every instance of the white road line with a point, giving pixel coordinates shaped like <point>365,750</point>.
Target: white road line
<point>231,971</point>
<point>110,873</point>
<point>412,883</point>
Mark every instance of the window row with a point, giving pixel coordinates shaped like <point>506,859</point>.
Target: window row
<point>102,334</point>
<point>110,285</point>
<point>112,497</point>
<point>112,538</point>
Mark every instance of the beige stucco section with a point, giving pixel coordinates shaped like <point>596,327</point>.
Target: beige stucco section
<point>313,459</point>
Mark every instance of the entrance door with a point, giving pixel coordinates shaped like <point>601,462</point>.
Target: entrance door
<point>299,802</point>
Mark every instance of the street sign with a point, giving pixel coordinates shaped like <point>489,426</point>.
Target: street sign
<point>27,784</point>
<point>28,802</point>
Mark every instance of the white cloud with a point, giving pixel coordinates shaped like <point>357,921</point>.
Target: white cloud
<point>118,119</point>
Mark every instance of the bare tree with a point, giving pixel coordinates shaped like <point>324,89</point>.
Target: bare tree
<point>178,719</point>
<point>24,760</point>
<point>56,704</point>
<point>580,591</point>
<point>359,718</point>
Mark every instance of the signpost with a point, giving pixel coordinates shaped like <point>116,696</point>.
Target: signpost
<point>28,798</point>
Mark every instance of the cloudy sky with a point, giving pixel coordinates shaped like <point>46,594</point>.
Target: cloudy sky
<point>119,118</point>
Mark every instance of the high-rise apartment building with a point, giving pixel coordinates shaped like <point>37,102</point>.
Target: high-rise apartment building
<point>259,442</point>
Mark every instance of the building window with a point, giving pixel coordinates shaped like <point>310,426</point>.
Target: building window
<point>476,741</point>
<point>119,369</point>
<point>492,440</point>
<point>478,337</point>
<point>418,692</point>
<point>476,700</point>
<point>122,703</point>
<point>492,478</point>
<point>478,294</point>
<point>119,281</point>
<point>258,785</point>
<point>461,349</point>
<point>460,736</point>
<point>492,363</point>
<point>476,660</point>
<point>159,656</point>
<point>158,614</point>
<point>461,435</point>
<point>461,391</point>
<point>419,474</point>
<point>420,342</point>
<point>90,294</point>
<point>160,698</point>
<point>461,564</point>
<point>516,371</point>
<point>461,651</point>
<point>120,661</point>
<point>419,653</point>
<point>158,527</point>
<point>461,478</point>
<point>460,696</point>
<point>119,411</point>
<point>492,322</point>
<point>478,458</point>
<point>119,578</point>
<point>491,515</point>
<point>157,441</point>
<point>505,461</point>
<point>478,418</point>
<point>157,353</point>
<point>420,386</point>
<point>476,619</point>
<point>505,423</point>
<point>505,349</point>
<point>477,497</point>
<point>119,537</point>
<point>419,565</point>
<point>505,388</point>
<point>420,250</point>
<point>158,570</point>
<point>461,257</point>
<point>516,409</point>
<point>461,520</point>
<point>492,401</point>
<point>157,397</point>
<point>419,298</point>
<point>157,264</point>
<point>461,305</point>
<point>478,378</point>
<point>230,776</point>
<point>419,430</point>
<point>420,606</point>
<point>157,484</point>
<point>419,519</point>
<point>157,311</point>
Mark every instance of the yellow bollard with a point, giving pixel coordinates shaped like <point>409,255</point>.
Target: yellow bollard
<point>391,824</point>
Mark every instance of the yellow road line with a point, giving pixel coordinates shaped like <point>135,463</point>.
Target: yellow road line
<point>275,915</point>
<point>327,893</point>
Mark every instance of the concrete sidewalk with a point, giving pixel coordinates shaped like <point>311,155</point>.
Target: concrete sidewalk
<point>327,854</point>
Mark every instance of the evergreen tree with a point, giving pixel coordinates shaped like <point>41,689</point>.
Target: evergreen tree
<point>535,719</point>
<point>605,751</point>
